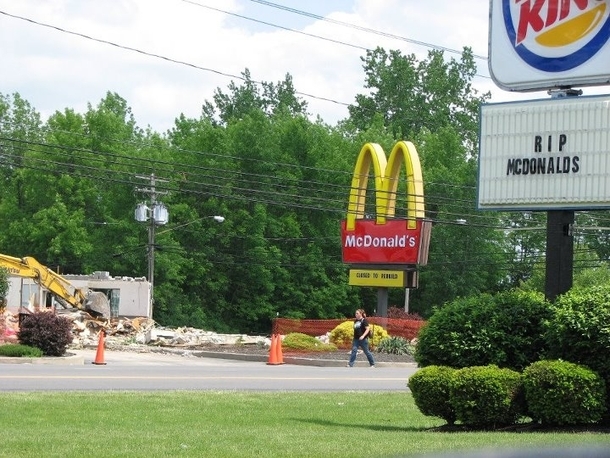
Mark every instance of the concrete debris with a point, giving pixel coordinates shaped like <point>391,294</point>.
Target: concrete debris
<point>139,331</point>
<point>97,304</point>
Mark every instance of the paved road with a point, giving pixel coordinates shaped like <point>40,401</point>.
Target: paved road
<point>153,371</point>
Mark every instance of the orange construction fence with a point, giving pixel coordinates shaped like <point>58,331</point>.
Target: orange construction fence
<point>395,327</point>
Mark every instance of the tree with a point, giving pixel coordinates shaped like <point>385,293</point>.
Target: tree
<point>597,237</point>
<point>412,95</point>
<point>525,239</point>
<point>243,100</point>
<point>20,130</point>
<point>276,173</point>
<point>281,180</point>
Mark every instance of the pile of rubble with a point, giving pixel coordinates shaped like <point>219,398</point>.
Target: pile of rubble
<point>140,331</point>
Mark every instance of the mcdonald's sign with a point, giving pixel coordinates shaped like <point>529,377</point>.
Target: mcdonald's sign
<point>386,239</point>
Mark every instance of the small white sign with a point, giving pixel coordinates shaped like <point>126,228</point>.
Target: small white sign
<point>545,154</point>
<point>545,44</point>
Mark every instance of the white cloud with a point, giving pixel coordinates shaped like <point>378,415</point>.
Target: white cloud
<point>56,70</point>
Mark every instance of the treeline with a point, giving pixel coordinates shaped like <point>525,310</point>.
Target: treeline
<point>69,186</point>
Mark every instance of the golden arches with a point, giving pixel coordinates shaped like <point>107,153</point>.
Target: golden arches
<point>387,174</point>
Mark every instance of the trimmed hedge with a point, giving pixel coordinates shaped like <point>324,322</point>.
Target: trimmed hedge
<point>553,393</point>
<point>579,329</point>
<point>505,329</point>
<point>563,393</point>
<point>431,390</point>
<point>487,396</point>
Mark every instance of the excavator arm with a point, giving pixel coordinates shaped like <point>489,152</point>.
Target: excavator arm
<point>62,289</point>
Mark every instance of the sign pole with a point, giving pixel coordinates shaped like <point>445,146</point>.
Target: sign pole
<point>559,253</point>
<point>382,302</point>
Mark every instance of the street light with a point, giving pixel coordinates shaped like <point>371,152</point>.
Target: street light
<point>218,219</point>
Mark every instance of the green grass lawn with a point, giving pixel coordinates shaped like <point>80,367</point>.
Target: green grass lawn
<point>241,424</point>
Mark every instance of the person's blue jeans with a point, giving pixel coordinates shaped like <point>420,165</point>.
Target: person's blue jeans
<point>364,344</point>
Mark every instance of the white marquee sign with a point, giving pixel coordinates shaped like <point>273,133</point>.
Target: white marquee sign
<point>545,154</point>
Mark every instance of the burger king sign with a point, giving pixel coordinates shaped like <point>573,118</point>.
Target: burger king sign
<point>545,44</point>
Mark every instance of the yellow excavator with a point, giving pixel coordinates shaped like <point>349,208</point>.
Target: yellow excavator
<point>95,303</point>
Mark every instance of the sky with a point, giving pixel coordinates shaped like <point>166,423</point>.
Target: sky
<point>167,57</point>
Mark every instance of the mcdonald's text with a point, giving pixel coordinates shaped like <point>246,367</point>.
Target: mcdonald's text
<point>379,242</point>
<point>389,243</point>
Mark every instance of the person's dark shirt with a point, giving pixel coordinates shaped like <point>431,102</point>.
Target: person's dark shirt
<point>359,327</point>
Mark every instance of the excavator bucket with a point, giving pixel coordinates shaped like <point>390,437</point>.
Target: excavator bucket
<point>97,304</point>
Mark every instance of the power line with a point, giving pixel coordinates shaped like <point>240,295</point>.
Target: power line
<point>334,202</point>
<point>345,24</point>
<point>364,29</point>
<point>194,66</point>
<point>268,197</point>
<point>288,29</point>
<point>193,175</point>
<point>159,56</point>
<point>502,265</point>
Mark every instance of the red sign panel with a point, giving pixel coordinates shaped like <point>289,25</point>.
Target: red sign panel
<point>389,243</point>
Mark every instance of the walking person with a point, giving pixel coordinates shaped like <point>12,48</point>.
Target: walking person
<point>362,331</point>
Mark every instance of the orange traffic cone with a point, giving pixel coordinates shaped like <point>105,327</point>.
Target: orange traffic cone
<point>99,356</point>
<point>273,351</point>
<point>278,350</point>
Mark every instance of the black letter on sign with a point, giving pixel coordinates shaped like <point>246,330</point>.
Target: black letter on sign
<point>575,164</point>
<point>538,144</point>
<point>562,141</point>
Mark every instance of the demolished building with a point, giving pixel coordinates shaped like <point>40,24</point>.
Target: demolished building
<point>128,296</point>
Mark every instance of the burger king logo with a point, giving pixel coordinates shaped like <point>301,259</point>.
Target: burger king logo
<point>556,35</point>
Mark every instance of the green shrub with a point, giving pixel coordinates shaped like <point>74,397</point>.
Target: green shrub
<point>395,345</point>
<point>563,393</point>
<point>379,335</point>
<point>299,341</point>
<point>579,330</point>
<point>47,331</point>
<point>431,388</point>
<point>21,351</point>
<point>504,329</point>
<point>487,396</point>
<point>343,334</point>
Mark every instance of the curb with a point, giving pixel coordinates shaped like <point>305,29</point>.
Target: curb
<point>76,359</point>
<point>295,360</point>
<point>70,359</point>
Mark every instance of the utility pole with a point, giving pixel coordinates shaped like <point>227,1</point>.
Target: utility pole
<point>155,215</point>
